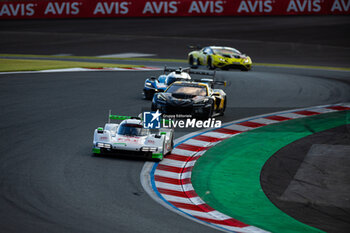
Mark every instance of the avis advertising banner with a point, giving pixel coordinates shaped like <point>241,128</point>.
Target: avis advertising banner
<point>17,9</point>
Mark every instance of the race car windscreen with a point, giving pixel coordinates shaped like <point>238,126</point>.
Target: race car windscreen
<point>171,79</point>
<point>187,90</point>
<point>227,51</point>
<point>132,130</point>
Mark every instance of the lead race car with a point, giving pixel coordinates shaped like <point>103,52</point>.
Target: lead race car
<point>155,85</point>
<point>219,57</point>
<point>130,138</point>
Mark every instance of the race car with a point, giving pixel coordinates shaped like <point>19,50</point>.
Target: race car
<point>219,57</point>
<point>130,138</point>
<point>170,75</point>
<point>154,85</point>
<point>197,99</point>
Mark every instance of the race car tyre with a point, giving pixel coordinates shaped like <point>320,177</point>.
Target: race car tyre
<point>162,157</point>
<point>222,112</point>
<point>210,64</point>
<point>147,95</point>
<point>153,107</point>
<point>191,62</point>
<point>172,143</point>
<point>207,113</point>
<point>158,159</point>
<point>243,68</point>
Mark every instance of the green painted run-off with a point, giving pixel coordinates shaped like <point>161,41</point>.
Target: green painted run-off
<point>227,176</point>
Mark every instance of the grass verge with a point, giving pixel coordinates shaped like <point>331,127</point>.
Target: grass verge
<point>168,60</point>
<point>8,65</point>
<point>94,58</point>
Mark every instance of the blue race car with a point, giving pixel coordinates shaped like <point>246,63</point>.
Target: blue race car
<point>154,85</point>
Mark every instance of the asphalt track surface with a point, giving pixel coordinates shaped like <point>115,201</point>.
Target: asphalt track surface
<point>305,40</point>
<point>300,161</point>
<point>49,180</point>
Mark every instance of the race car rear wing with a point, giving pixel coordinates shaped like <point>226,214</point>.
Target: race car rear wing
<point>196,47</point>
<point>179,70</point>
<point>117,117</point>
<point>203,72</point>
<point>190,71</point>
<point>121,118</point>
<point>211,82</point>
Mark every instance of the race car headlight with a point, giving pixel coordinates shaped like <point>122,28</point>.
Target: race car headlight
<point>148,84</point>
<point>161,97</point>
<point>149,149</point>
<point>201,103</point>
<point>104,145</point>
<point>221,59</point>
<point>246,60</point>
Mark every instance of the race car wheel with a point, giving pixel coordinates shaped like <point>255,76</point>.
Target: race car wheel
<point>191,62</point>
<point>208,112</point>
<point>147,94</point>
<point>210,64</point>
<point>153,107</point>
<point>102,153</point>
<point>162,157</point>
<point>172,143</point>
<point>243,68</point>
<point>222,112</point>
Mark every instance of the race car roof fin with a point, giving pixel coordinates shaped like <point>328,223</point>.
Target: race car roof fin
<point>177,70</point>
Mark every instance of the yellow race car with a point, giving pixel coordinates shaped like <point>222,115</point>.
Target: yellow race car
<point>219,57</point>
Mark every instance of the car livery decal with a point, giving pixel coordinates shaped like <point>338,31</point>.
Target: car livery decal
<point>130,140</point>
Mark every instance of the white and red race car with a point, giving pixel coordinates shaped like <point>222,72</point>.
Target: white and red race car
<point>130,138</point>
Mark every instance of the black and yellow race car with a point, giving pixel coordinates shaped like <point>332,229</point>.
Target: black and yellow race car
<point>219,57</point>
<point>197,99</point>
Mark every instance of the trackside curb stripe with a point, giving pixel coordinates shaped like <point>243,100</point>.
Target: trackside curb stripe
<point>172,184</point>
<point>86,69</point>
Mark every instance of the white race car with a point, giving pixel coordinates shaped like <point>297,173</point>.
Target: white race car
<point>131,138</point>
